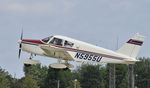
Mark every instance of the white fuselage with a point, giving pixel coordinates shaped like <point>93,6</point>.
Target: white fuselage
<point>80,51</point>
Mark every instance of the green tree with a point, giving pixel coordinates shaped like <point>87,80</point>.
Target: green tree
<point>142,73</point>
<point>4,82</point>
<point>72,84</point>
<point>64,76</point>
<point>91,76</point>
<point>5,79</point>
<point>17,83</point>
<point>52,78</point>
<point>121,76</point>
<point>38,72</point>
<point>29,82</point>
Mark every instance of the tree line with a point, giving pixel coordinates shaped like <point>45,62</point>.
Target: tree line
<point>85,76</point>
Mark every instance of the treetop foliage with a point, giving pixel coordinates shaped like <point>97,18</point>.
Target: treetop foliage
<point>87,76</point>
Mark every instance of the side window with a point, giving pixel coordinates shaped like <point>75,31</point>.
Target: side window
<point>68,44</point>
<point>56,41</point>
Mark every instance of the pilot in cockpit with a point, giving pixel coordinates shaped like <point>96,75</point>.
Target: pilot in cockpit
<point>57,42</point>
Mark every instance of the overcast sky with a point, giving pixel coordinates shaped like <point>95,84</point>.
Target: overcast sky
<point>99,22</point>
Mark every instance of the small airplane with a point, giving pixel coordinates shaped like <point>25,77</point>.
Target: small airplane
<point>68,49</point>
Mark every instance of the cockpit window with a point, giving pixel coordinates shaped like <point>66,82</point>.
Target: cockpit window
<point>68,44</point>
<point>56,41</point>
<point>47,39</point>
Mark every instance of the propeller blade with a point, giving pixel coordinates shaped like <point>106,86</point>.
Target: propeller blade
<point>21,35</point>
<point>20,45</point>
<point>19,53</point>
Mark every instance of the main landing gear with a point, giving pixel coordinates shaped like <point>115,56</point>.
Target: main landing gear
<point>60,65</point>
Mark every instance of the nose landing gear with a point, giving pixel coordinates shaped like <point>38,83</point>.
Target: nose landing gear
<point>29,61</point>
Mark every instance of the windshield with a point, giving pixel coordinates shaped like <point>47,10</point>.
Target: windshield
<point>47,39</point>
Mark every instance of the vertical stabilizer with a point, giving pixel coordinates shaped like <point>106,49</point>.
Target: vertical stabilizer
<point>132,47</point>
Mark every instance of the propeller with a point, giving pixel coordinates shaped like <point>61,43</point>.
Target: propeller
<point>20,45</point>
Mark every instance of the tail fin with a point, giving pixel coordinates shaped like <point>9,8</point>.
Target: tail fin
<point>132,47</point>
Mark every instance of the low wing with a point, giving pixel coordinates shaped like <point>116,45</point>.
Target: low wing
<point>56,52</point>
<point>67,54</point>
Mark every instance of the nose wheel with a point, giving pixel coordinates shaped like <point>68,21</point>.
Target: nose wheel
<point>29,61</point>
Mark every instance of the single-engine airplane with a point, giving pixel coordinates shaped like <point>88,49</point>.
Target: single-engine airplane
<point>68,49</point>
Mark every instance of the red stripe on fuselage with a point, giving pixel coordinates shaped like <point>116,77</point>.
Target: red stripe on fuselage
<point>33,41</point>
<point>103,55</point>
<point>40,42</point>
